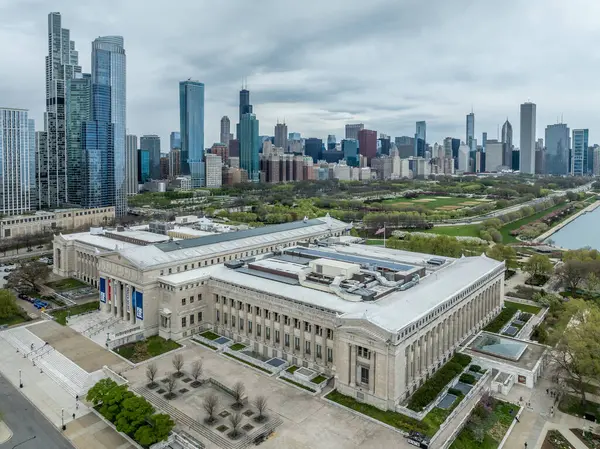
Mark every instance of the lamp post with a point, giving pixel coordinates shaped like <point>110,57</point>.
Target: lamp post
<point>20,380</point>
<point>62,418</point>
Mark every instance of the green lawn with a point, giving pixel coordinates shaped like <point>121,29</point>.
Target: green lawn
<point>505,230</point>
<point>61,315</point>
<point>320,378</point>
<point>572,405</point>
<point>297,384</point>
<point>66,284</point>
<point>436,202</point>
<point>14,319</point>
<point>209,335</point>
<point>236,347</point>
<point>470,230</point>
<point>247,363</point>
<point>146,349</point>
<point>523,307</point>
<point>374,242</point>
<point>388,417</point>
<point>292,369</point>
<point>495,425</point>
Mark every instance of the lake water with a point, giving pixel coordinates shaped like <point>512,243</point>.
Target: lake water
<point>581,232</point>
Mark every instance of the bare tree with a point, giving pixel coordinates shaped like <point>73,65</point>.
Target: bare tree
<point>178,364</point>
<point>171,386</point>
<point>235,420</point>
<point>210,404</point>
<point>260,402</point>
<point>151,371</point>
<point>196,372</point>
<point>238,394</point>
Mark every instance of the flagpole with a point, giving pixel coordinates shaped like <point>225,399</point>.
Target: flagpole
<point>384,234</point>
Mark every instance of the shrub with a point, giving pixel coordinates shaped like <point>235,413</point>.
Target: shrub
<point>454,391</point>
<point>475,368</point>
<point>436,383</point>
<point>467,379</point>
<point>502,318</point>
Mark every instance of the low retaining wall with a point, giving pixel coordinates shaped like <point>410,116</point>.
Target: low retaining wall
<point>120,380</point>
<point>512,425</point>
<point>212,343</point>
<point>111,425</point>
<point>132,336</point>
<point>307,383</point>
<point>253,361</point>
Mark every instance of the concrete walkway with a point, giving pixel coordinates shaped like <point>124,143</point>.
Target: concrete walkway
<point>5,433</point>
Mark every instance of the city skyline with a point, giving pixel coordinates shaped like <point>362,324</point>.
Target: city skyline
<point>277,75</point>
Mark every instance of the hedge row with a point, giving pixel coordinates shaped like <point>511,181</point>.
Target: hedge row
<point>502,318</point>
<point>436,383</point>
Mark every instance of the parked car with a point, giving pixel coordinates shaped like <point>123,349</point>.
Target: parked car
<point>40,247</point>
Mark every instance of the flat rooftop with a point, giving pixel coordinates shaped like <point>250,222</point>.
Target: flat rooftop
<point>145,236</point>
<point>527,358</point>
<point>351,259</point>
<point>392,309</point>
<point>100,241</point>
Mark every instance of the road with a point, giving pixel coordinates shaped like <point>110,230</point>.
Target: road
<point>25,422</point>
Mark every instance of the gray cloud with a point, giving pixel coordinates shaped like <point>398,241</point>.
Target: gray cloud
<point>321,64</point>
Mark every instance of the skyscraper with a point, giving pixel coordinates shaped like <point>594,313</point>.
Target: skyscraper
<point>494,155</point>
<point>580,151</point>
<point>350,150</point>
<point>109,69</point>
<point>151,144</point>
<point>420,139</point>
<point>557,149</point>
<point>470,135</point>
<point>78,112</point>
<point>175,141</point>
<point>353,129</point>
<point>527,141</point>
<point>191,119</point>
<point>507,143</point>
<point>245,106</point>
<point>367,144</point>
<point>313,147</point>
<point>214,167</point>
<point>131,164</point>
<point>331,142</point>
<point>143,166</point>
<point>61,65</point>
<point>281,136</point>
<point>225,130</point>
<point>16,154</point>
<point>249,146</point>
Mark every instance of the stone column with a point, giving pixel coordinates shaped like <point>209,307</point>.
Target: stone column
<point>351,361</point>
<point>112,297</point>
<point>313,342</point>
<point>422,355</point>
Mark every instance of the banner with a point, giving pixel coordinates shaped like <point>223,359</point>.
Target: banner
<point>103,290</point>
<point>139,305</point>
<point>127,298</point>
<point>109,293</point>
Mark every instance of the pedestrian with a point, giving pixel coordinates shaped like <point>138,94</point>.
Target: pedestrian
<point>77,406</point>
<point>525,445</point>
<point>517,419</point>
<point>547,391</point>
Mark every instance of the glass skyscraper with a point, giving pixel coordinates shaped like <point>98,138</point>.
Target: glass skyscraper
<point>79,111</point>
<point>350,150</point>
<point>421,139</point>
<point>557,149</point>
<point>143,166</point>
<point>470,134</point>
<point>580,151</point>
<point>249,146</point>
<point>109,70</point>
<point>191,120</point>
<point>61,65</point>
<point>15,161</point>
<point>151,144</point>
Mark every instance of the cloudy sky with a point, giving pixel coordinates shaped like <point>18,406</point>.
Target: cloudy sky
<point>321,64</point>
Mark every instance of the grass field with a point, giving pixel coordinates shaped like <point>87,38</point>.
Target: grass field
<point>456,231</point>
<point>523,307</point>
<point>146,349</point>
<point>448,203</point>
<point>61,315</point>
<point>375,242</point>
<point>505,230</point>
<point>66,284</point>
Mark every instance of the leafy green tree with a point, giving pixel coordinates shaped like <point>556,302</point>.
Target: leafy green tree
<point>158,429</point>
<point>8,304</point>
<point>134,412</point>
<point>504,253</point>
<point>571,274</point>
<point>538,265</point>
<point>576,351</point>
<point>112,403</point>
<point>99,391</point>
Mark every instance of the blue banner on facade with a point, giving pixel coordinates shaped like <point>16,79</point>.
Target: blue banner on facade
<point>103,290</point>
<point>139,305</point>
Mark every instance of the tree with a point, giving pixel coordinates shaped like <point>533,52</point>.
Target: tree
<point>112,402</point>
<point>538,265</point>
<point>210,404</point>
<point>576,351</point>
<point>29,274</point>
<point>260,402</point>
<point>8,304</point>
<point>134,412</point>
<point>171,386</point>
<point>178,364</point>
<point>159,428</point>
<point>235,420</point>
<point>151,371</point>
<point>571,274</point>
<point>196,372</point>
<point>239,391</point>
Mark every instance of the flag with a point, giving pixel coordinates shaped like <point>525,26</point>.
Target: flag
<point>380,231</point>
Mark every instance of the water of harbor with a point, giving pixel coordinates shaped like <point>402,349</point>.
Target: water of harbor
<point>581,232</point>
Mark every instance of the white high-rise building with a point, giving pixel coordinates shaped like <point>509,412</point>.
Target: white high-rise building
<point>17,161</point>
<point>463,157</point>
<point>225,130</point>
<point>527,141</point>
<point>494,155</point>
<point>214,171</point>
<point>131,164</point>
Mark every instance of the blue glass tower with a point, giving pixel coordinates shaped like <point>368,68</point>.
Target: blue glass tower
<point>143,166</point>
<point>420,139</point>
<point>249,146</point>
<point>191,121</point>
<point>109,71</point>
<point>350,150</point>
<point>580,151</point>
